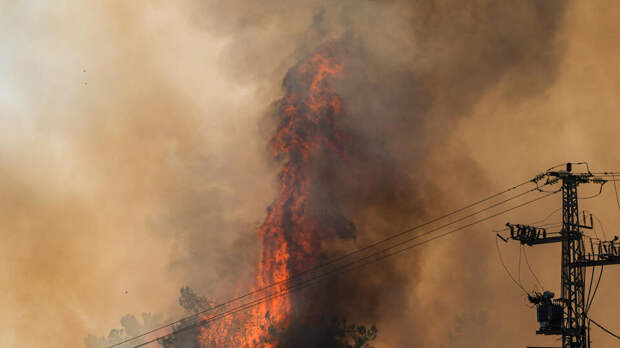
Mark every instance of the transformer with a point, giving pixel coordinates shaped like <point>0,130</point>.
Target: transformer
<point>549,313</point>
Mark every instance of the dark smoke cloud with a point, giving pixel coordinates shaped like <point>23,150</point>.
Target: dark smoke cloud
<point>417,69</point>
<point>411,84</point>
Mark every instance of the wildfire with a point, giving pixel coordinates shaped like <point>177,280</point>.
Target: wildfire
<point>291,234</point>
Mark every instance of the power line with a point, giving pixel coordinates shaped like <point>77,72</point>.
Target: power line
<point>597,194</point>
<point>547,217</point>
<point>343,269</point>
<point>501,259</point>
<point>616,190</point>
<point>354,252</point>
<point>519,284</point>
<point>602,226</point>
<point>604,328</point>
<point>527,262</point>
<point>590,287</point>
<point>593,228</point>
<point>588,305</point>
<point>564,164</point>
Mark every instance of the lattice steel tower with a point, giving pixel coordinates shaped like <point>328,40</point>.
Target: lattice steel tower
<point>567,316</point>
<point>574,327</point>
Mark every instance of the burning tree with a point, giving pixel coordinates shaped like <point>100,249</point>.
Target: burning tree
<point>301,217</point>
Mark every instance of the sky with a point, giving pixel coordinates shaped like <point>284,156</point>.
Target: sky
<point>133,155</point>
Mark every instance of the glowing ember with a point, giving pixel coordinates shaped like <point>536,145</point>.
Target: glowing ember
<point>291,237</point>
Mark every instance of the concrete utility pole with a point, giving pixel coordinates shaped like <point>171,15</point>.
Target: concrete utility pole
<point>568,315</point>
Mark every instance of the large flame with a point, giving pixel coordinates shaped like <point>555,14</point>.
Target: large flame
<point>292,232</point>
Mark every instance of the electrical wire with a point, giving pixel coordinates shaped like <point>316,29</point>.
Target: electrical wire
<point>597,194</point>
<point>354,252</point>
<point>564,164</point>
<point>604,328</point>
<point>501,259</point>
<point>524,251</point>
<point>549,182</point>
<point>587,309</point>
<point>346,268</point>
<point>589,289</point>
<point>616,190</point>
<point>593,228</point>
<point>547,217</point>
<point>527,262</point>
<point>519,284</point>
<point>601,224</point>
<point>256,302</point>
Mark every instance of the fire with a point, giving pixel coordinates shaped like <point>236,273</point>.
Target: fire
<point>291,234</point>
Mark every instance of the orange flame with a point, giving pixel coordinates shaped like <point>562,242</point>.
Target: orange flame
<point>290,235</point>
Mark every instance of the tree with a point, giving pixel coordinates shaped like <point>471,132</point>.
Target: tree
<point>335,333</point>
<point>130,327</point>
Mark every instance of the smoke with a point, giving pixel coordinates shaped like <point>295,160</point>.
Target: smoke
<point>133,156</point>
<point>412,79</point>
<point>398,109</point>
<point>114,192</point>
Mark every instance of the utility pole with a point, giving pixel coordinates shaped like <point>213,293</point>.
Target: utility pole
<point>567,316</point>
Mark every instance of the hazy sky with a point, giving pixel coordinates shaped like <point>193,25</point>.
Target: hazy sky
<point>133,159</point>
